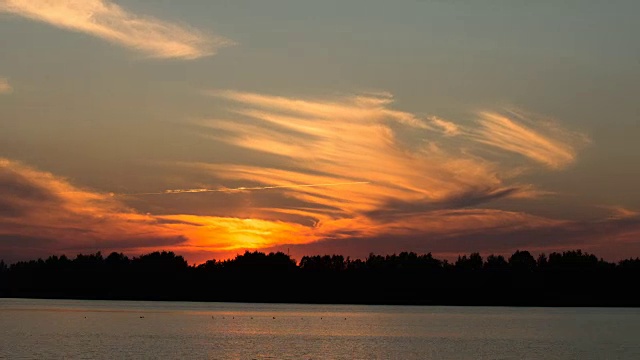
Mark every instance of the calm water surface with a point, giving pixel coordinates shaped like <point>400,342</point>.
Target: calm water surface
<point>127,329</point>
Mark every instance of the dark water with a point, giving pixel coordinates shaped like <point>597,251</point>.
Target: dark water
<point>109,329</point>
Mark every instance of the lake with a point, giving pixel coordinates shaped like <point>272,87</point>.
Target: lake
<point>136,329</point>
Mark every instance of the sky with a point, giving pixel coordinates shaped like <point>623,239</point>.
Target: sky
<point>319,127</point>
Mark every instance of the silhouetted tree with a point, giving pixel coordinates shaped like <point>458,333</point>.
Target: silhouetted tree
<point>496,263</point>
<point>259,262</point>
<point>522,261</point>
<point>323,263</point>
<point>116,260</point>
<point>569,278</point>
<point>542,261</point>
<point>473,262</point>
<point>160,262</point>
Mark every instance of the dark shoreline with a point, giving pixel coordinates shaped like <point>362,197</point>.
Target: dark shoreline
<point>569,279</point>
<point>461,305</point>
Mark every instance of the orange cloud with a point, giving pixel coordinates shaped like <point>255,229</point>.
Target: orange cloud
<point>350,140</point>
<point>39,205</point>
<point>42,214</point>
<point>547,144</point>
<point>424,183</point>
<point>222,234</point>
<point>448,128</point>
<point>5,87</point>
<point>109,21</point>
<point>347,169</point>
<point>620,213</point>
<point>353,109</point>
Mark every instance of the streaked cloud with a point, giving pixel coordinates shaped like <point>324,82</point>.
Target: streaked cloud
<point>450,233</point>
<point>227,234</point>
<point>349,140</point>
<point>42,214</point>
<point>619,212</point>
<point>5,87</point>
<point>373,107</point>
<point>109,21</point>
<point>417,176</point>
<point>447,127</point>
<point>347,168</point>
<point>538,140</point>
<point>243,188</point>
<point>56,216</point>
<point>357,139</point>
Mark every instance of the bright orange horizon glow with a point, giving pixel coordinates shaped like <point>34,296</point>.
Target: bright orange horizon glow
<point>347,175</point>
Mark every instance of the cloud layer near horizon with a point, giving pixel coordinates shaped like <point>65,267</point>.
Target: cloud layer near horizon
<point>42,211</point>
<point>402,182</point>
<point>412,164</point>
<point>426,178</point>
<point>106,20</point>
<point>43,214</point>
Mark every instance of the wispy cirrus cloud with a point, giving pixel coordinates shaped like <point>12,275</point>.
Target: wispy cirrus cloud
<point>42,214</point>
<point>242,188</point>
<point>348,170</point>
<point>448,128</point>
<point>435,182</point>
<point>56,215</point>
<point>109,21</point>
<point>448,233</point>
<point>542,141</point>
<point>5,87</point>
<point>347,140</point>
<point>359,139</point>
<point>621,213</point>
<point>374,107</point>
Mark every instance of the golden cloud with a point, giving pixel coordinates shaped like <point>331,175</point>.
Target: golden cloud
<point>109,21</point>
<point>351,140</point>
<point>543,142</point>
<point>346,170</point>
<point>448,128</point>
<point>5,87</point>
<point>41,213</point>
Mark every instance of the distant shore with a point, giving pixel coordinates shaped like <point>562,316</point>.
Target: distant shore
<point>568,279</point>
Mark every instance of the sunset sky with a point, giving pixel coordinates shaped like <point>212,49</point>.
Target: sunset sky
<point>213,127</point>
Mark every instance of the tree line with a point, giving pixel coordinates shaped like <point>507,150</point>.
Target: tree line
<point>571,278</point>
